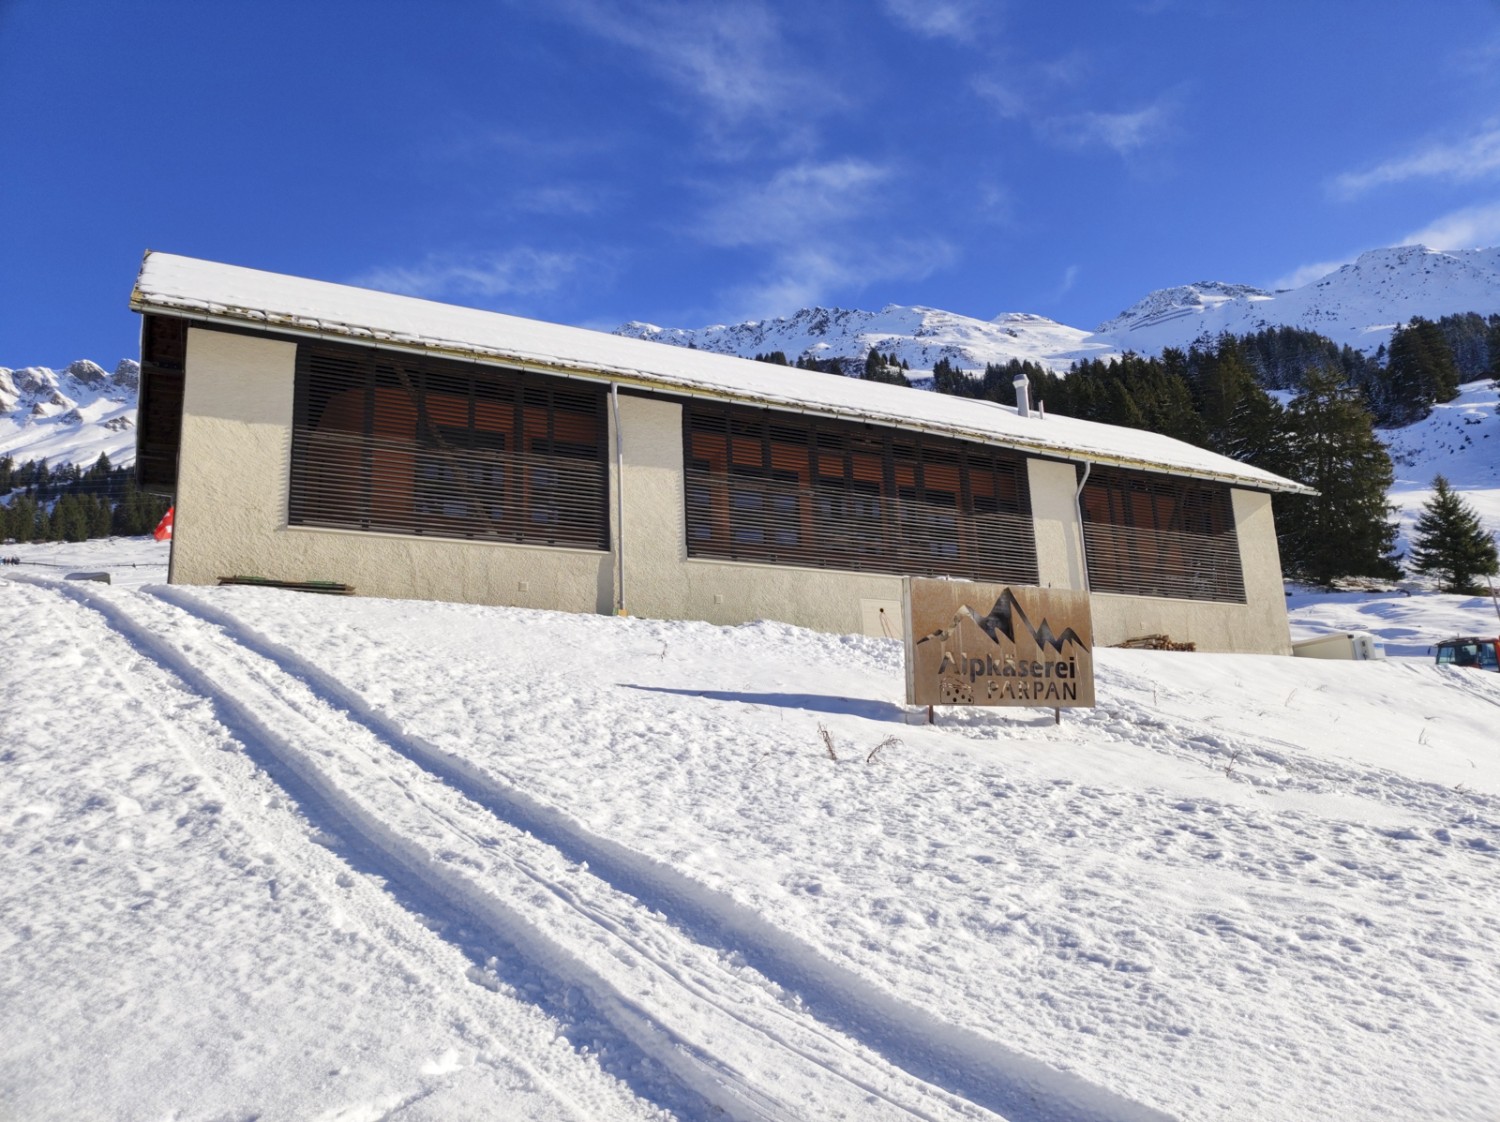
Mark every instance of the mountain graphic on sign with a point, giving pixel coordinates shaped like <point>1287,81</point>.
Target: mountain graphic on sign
<point>1003,619</point>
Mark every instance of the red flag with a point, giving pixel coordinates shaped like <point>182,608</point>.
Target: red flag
<point>163,531</point>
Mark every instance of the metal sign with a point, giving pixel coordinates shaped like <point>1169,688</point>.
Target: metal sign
<point>996,644</point>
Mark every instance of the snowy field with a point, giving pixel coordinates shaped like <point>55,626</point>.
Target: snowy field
<point>282,856</point>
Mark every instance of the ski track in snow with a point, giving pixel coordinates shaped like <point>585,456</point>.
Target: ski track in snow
<point>694,1001</point>
<point>1290,907</point>
<point>1220,893</point>
<point>501,1058</point>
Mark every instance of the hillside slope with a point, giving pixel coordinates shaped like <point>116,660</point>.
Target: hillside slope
<point>1358,304</point>
<point>255,873</point>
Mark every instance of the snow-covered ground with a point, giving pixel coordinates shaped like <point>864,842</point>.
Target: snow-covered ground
<point>293,857</point>
<point>131,562</point>
<point>297,857</point>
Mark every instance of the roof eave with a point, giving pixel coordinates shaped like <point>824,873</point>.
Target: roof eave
<point>313,328</point>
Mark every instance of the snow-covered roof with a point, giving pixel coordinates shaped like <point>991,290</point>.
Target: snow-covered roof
<point>210,291</point>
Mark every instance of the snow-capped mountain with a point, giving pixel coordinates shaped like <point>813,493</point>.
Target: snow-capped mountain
<point>1166,305</point>
<point>1358,304</point>
<point>919,336</point>
<point>70,415</point>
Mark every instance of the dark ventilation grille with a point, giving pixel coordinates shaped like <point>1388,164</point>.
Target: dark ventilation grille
<point>1156,535</point>
<point>159,406</point>
<point>774,487</point>
<point>409,445</point>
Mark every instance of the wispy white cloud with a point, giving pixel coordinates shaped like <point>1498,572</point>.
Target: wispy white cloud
<point>811,223</point>
<point>1003,97</point>
<point>1462,161</point>
<point>1470,228</point>
<point>1067,70</point>
<point>559,199</point>
<point>996,204</point>
<point>730,59</point>
<point>517,272</point>
<point>796,204</point>
<point>1306,274</point>
<point>1069,279</point>
<point>801,276</point>
<point>959,20</point>
<point>1480,59</point>
<point>1123,133</point>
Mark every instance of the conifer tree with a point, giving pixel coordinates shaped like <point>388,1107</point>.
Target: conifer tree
<point>1242,420</point>
<point>883,368</point>
<point>1466,335</point>
<point>1420,370</point>
<point>1345,529</point>
<point>949,379</point>
<point>1449,542</point>
<point>70,519</point>
<point>1163,397</point>
<point>99,517</point>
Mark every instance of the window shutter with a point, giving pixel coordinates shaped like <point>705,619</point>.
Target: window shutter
<point>1160,535</point>
<point>782,489</point>
<point>405,444</point>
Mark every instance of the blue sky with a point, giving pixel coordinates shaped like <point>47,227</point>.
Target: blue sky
<point>686,163</point>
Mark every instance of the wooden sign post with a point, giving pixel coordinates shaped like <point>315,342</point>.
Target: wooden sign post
<point>993,644</point>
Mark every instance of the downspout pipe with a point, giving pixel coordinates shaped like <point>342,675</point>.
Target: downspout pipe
<point>614,401</point>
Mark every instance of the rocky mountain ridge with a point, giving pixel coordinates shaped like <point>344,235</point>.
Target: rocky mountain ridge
<point>69,415</point>
<point>1358,304</point>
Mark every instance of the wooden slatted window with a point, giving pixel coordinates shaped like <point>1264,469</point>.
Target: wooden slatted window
<point>159,405</point>
<point>779,488</point>
<point>413,445</point>
<point>1160,535</point>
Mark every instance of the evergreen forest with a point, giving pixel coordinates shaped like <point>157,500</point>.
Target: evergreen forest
<point>68,503</point>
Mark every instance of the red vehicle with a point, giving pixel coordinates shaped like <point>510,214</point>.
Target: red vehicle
<point>1480,654</point>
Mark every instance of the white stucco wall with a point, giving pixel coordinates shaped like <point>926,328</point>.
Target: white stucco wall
<point>231,502</point>
<point>1054,512</point>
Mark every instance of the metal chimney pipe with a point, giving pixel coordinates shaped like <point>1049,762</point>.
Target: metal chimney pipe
<point>1023,395</point>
